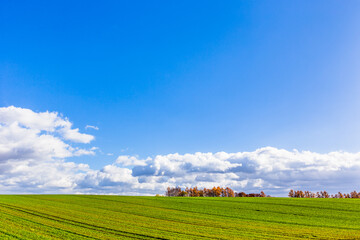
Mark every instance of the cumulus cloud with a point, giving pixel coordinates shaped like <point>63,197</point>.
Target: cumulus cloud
<point>130,161</point>
<point>44,121</point>
<point>34,147</point>
<point>270,169</point>
<point>75,136</point>
<point>33,150</point>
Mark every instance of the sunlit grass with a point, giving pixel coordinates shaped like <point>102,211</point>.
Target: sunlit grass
<point>120,217</point>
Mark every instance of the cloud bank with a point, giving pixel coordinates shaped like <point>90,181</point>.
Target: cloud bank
<point>34,148</point>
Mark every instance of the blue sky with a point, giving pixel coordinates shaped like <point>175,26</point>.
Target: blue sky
<point>184,77</point>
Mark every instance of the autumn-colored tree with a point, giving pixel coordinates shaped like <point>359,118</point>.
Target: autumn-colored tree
<point>338,195</point>
<point>324,194</point>
<point>213,192</point>
<point>173,192</point>
<point>183,194</point>
<point>308,194</point>
<point>291,193</point>
<point>209,193</point>
<point>241,194</point>
<point>229,192</point>
<point>195,192</point>
<point>354,194</point>
<point>217,191</point>
<point>201,193</point>
<point>301,194</point>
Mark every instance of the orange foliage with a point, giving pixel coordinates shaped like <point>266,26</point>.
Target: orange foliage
<point>213,192</point>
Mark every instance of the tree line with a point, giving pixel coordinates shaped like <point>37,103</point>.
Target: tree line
<point>209,192</point>
<point>322,194</point>
<point>228,192</point>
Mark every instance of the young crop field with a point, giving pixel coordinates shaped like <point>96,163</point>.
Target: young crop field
<point>121,217</point>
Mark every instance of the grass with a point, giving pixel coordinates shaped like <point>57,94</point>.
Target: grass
<point>120,217</point>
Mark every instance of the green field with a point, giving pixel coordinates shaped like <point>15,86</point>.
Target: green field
<point>120,217</point>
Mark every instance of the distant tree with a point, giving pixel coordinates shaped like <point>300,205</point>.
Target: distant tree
<point>205,192</point>
<point>201,193</point>
<point>291,193</point>
<point>195,192</point>
<point>354,194</point>
<point>173,192</point>
<point>183,194</point>
<point>324,194</point>
<point>301,194</point>
<point>254,195</point>
<point>168,192</point>
<point>307,194</point>
<point>241,194</point>
<point>338,195</point>
<point>229,192</point>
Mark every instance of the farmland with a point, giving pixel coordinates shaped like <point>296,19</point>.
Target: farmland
<point>125,217</point>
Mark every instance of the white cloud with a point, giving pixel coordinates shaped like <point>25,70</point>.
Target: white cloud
<point>91,127</point>
<point>43,121</point>
<point>270,169</point>
<point>130,161</point>
<point>75,136</point>
<point>32,152</point>
<point>34,147</point>
<point>46,121</point>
